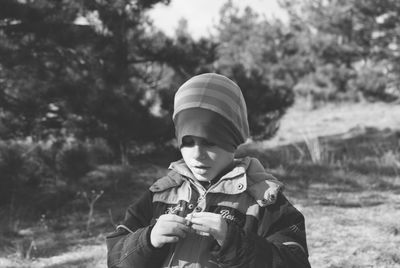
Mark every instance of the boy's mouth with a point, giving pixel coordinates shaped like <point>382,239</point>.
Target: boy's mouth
<point>200,169</point>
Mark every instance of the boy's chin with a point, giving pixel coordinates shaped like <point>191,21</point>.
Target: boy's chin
<point>202,178</point>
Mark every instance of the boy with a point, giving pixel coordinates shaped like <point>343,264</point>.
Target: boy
<point>211,210</point>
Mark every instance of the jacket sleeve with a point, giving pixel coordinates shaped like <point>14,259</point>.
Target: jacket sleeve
<point>129,245</point>
<point>278,242</point>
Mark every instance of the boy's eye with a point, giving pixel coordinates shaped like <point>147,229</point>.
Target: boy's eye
<point>190,141</point>
<point>187,141</point>
<point>208,143</point>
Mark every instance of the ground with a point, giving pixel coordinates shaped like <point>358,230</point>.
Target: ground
<point>340,165</point>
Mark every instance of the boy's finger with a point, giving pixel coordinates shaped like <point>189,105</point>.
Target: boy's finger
<point>184,226</point>
<point>169,239</point>
<point>206,221</point>
<point>204,215</point>
<point>172,217</point>
<point>174,230</point>
<point>202,233</point>
<point>198,221</point>
<point>201,229</point>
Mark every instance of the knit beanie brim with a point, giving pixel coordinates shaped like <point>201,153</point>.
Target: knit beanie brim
<point>208,125</point>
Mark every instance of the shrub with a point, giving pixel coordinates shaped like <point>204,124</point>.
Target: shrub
<point>328,83</point>
<point>106,175</point>
<point>267,100</point>
<point>42,177</point>
<point>373,83</point>
<point>100,152</point>
<point>74,161</point>
<point>18,170</point>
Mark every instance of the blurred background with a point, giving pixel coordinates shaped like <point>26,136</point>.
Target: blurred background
<point>86,96</point>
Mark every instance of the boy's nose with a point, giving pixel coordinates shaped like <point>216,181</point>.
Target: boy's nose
<point>198,151</point>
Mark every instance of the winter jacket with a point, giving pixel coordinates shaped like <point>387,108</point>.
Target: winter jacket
<point>264,229</point>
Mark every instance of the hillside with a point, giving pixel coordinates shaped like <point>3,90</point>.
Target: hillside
<point>333,119</point>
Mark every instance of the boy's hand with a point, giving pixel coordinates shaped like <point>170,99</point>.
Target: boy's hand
<point>169,228</point>
<point>209,223</point>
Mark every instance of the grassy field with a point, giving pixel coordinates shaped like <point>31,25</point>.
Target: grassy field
<point>340,166</point>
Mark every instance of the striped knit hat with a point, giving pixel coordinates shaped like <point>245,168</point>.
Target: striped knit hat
<point>211,106</point>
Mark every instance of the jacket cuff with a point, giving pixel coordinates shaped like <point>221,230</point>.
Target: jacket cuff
<point>141,244</point>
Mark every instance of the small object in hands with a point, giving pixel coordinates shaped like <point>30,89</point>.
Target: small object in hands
<point>189,219</point>
<point>202,233</point>
<point>189,223</point>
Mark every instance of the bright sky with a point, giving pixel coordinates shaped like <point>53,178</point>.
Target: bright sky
<point>203,14</point>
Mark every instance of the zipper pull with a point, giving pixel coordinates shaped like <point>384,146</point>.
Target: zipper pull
<point>200,198</point>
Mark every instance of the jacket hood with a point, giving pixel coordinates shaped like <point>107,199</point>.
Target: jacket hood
<point>263,186</point>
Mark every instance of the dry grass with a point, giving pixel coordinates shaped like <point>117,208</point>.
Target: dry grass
<point>341,167</point>
<point>92,256</point>
<point>354,237</point>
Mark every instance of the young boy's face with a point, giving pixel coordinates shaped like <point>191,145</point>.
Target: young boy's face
<point>205,159</point>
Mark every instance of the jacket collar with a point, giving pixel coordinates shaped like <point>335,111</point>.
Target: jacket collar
<point>247,174</point>
<point>233,182</point>
<point>239,168</point>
